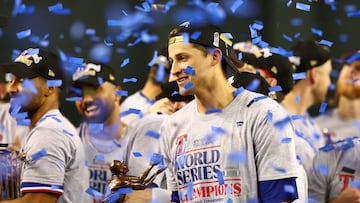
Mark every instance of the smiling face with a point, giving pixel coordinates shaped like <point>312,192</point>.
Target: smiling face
<point>184,56</point>
<point>98,103</point>
<point>348,84</point>
<point>26,95</point>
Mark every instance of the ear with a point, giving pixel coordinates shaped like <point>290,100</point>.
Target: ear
<point>312,75</point>
<point>216,56</point>
<point>50,91</point>
<point>272,82</point>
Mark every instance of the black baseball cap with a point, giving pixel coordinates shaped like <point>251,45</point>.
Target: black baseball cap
<point>309,54</point>
<point>245,79</point>
<point>94,73</point>
<point>276,65</point>
<point>207,35</point>
<point>36,62</point>
<point>170,90</point>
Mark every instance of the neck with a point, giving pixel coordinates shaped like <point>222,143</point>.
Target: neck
<point>349,108</point>
<point>301,107</point>
<point>151,90</point>
<point>217,94</point>
<point>51,104</point>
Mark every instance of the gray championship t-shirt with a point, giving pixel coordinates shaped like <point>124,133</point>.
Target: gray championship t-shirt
<point>338,128</point>
<point>334,168</point>
<point>56,160</point>
<point>221,156</point>
<point>135,101</point>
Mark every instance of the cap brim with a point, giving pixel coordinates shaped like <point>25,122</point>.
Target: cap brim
<point>18,69</point>
<point>88,80</point>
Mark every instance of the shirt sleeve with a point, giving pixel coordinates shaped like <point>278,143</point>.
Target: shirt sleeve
<point>273,190</point>
<point>49,153</point>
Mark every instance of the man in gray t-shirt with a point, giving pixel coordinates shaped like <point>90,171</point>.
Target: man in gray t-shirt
<point>52,156</point>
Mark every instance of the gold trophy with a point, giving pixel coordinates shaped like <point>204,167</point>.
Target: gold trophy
<point>121,180</point>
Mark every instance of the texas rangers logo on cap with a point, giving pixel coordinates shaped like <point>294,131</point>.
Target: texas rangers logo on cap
<point>90,70</point>
<point>28,57</point>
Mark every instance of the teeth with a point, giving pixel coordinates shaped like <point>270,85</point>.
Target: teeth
<point>181,80</point>
<point>91,108</point>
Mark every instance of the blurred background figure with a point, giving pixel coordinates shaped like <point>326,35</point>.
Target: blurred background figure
<point>274,68</point>
<point>343,121</point>
<point>137,104</point>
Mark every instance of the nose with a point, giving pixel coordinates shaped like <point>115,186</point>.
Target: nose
<point>175,69</point>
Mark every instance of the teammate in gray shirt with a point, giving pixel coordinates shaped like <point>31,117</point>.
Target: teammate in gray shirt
<point>344,120</point>
<point>53,157</point>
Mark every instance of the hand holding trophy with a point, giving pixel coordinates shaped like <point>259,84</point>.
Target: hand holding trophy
<point>121,180</point>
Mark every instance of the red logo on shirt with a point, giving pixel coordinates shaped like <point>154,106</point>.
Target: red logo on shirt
<point>180,140</point>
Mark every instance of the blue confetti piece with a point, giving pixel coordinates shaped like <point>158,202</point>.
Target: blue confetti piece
<point>256,99</point>
<point>67,133</point>
<point>23,122</point>
<point>95,127</point>
<point>253,32</point>
<point>210,111</point>
<point>23,34</point>
<point>189,70</point>
<point>297,99</point>
<point>126,80</point>
<point>125,62</point>
<point>33,51</point>
<point>228,35</point>
<point>278,169</point>
<point>116,144</point>
<point>326,42</point>
<point>220,177</point>
<point>100,80</point>
<point>258,25</point>
<point>137,154</point>
<point>302,6</point>
<point>60,164</point>
<point>160,73</point>
<point>285,140</point>
<point>323,107</point>
<point>137,41</point>
<point>275,89</point>
<point>132,111</point>
<point>269,116</point>
<point>256,40</point>
<point>217,130</point>
<point>356,124</point>
<point>99,157</point>
<point>355,184</point>
<point>153,60</point>
<point>93,193</point>
<point>185,37</point>
<point>54,83</point>
<point>124,93</point>
<point>190,190</point>
<point>323,169</point>
<point>114,23</point>
<point>299,76</point>
<point>38,154</point>
<point>288,38</point>
<point>73,99</point>
<point>90,31</point>
<point>240,56</point>
<point>29,84</point>
<point>156,159</point>
<point>254,84</point>
<point>76,60</point>
<point>282,123</point>
<point>332,87</point>
<point>353,14</point>
<point>188,85</point>
<point>236,5</point>
<point>353,58</point>
<point>229,192</point>
<point>238,91</point>
<point>195,35</point>
<point>289,188</point>
<point>152,134</point>
<point>124,191</point>
<point>288,4</point>
<point>56,187</point>
<point>317,32</point>
<point>238,157</point>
